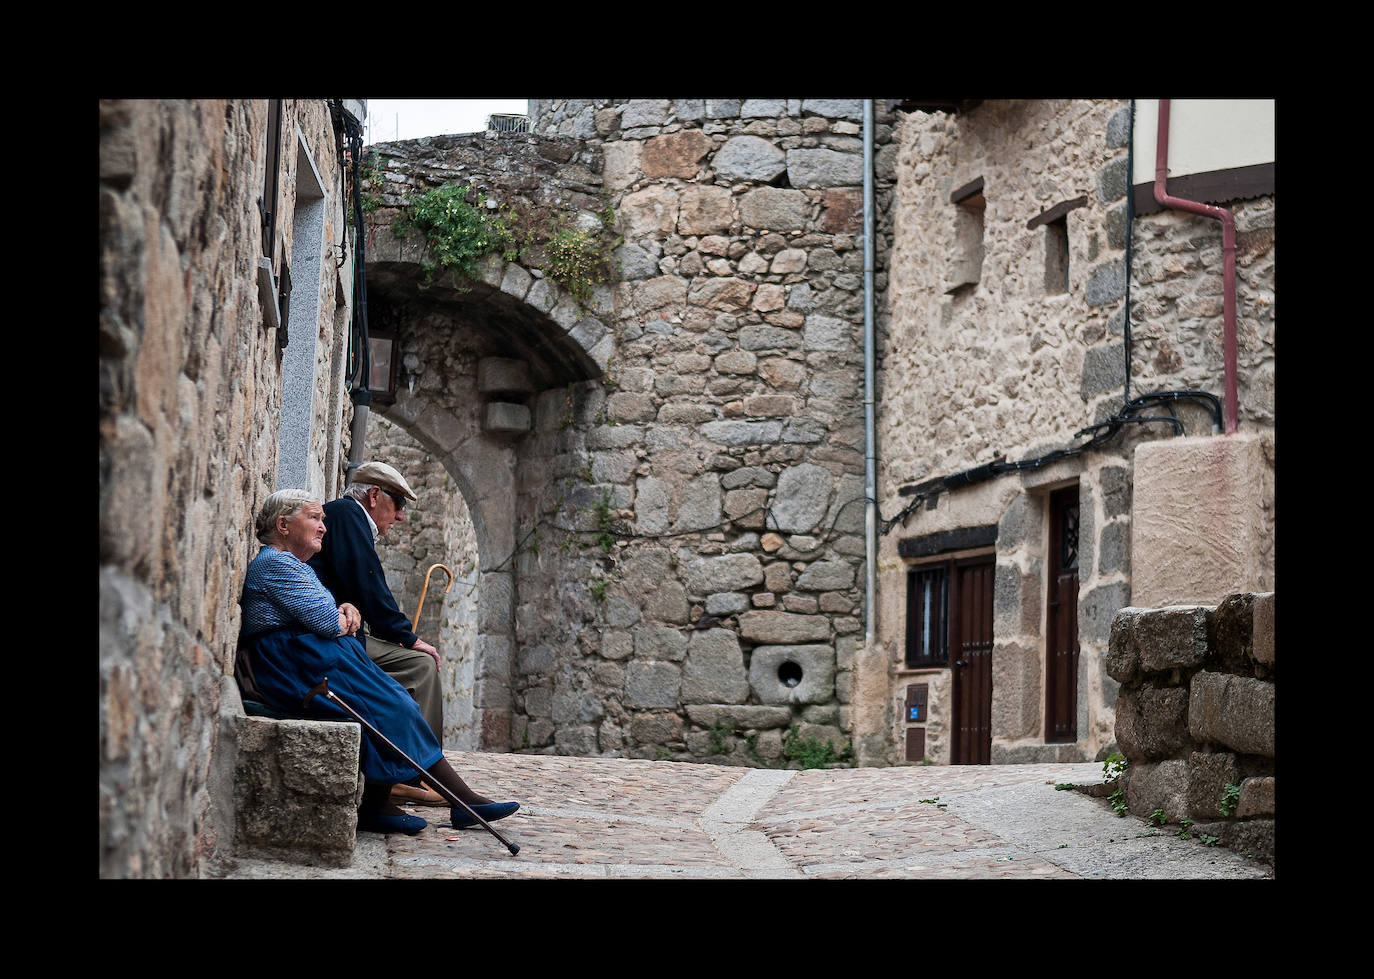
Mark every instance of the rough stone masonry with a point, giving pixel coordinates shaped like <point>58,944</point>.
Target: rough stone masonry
<point>723,445</point>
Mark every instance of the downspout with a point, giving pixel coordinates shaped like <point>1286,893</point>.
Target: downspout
<point>361,396</point>
<point>870,455</point>
<point>1228,251</point>
<point>1130,234</point>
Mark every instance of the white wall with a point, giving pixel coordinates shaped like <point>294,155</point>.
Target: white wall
<point>1204,135</point>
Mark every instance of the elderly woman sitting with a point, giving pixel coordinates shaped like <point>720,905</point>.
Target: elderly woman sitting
<point>296,636</point>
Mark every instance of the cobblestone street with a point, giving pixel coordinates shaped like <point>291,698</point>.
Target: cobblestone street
<point>610,818</point>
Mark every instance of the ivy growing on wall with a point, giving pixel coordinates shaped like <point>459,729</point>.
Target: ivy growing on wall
<point>461,230</point>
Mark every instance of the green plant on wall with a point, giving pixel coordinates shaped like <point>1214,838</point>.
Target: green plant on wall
<point>577,258</point>
<point>719,731</point>
<point>812,752</point>
<point>1113,767</point>
<point>604,523</point>
<point>461,230</point>
<point>370,176</point>
<point>573,262</point>
<point>1230,798</point>
<point>458,227</point>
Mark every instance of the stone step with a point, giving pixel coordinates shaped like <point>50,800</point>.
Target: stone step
<point>296,785</point>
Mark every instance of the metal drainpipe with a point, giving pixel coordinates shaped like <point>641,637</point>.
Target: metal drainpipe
<point>1228,252</point>
<point>361,396</point>
<point>870,455</point>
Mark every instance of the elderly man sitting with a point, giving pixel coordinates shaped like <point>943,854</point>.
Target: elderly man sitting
<point>349,567</point>
<point>295,634</point>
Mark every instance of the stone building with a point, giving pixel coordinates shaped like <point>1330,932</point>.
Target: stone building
<point>1037,290</point>
<point>652,496</point>
<point>226,277</point>
<point>681,575</point>
<point>718,430</point>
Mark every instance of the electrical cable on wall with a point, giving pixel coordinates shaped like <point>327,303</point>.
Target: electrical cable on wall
<point>359,354</point>
<point>1098,435</point>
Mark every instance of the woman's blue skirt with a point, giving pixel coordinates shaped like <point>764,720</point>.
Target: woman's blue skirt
<point>289,663</point>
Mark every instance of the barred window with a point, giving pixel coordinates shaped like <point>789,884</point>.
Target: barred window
<point>927,621</point>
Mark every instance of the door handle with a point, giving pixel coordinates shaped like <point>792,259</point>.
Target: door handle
<point>961,662</point>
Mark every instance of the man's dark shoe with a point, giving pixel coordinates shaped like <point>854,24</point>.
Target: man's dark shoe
<point>381,822</point>
<point>490,811</point>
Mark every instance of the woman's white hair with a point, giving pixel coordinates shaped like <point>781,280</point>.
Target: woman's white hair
<point>283,503</point>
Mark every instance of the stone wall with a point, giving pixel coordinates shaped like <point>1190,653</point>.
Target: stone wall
<point>998,363</point>
<point>190,393</point>
<point>720,449</point>
<point>718,458</point>
<point>1196,716</point>
<point>1177,325</point>
<point>726,445</point>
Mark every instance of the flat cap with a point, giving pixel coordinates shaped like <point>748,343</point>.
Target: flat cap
<point>380,474</point>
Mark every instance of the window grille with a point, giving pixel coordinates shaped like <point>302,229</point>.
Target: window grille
<point>927,623</point>
<point>507,123</point>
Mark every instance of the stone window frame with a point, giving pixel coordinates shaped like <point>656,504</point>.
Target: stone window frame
<point>1056,243</point>
<point>967,252</point>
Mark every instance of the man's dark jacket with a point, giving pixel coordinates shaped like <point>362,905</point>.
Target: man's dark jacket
<point>348,566</point>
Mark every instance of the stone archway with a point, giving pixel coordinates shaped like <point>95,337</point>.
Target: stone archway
<point>475,356</point>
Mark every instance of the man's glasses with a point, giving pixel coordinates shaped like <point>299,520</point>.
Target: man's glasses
<point>396,498</point>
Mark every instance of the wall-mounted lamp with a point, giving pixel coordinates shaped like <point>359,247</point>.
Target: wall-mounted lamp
<point>381,378</point>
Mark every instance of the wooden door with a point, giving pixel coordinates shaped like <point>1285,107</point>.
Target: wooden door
<point>1061,617</point>
<point>971,645</point>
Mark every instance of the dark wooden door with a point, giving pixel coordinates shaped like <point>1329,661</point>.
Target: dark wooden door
<point>971,646</point>
<point>1061,633</point>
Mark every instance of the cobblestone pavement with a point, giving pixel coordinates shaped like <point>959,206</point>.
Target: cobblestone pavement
<point>622,818</point>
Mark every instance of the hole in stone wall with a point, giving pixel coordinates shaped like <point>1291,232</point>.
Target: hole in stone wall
<point>790,674</point>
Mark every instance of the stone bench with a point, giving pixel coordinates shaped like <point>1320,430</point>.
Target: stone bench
<point>296,784</point>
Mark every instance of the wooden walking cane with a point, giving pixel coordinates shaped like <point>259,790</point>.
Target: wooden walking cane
<point>415,624</point>
<point>323,689</point>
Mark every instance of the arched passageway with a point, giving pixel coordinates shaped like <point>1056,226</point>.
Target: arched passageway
<point>473,360</point>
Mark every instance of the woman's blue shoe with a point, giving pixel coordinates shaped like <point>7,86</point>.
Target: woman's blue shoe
<point>380,822</point>
<point>490,811</point>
